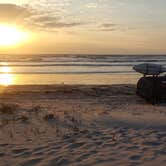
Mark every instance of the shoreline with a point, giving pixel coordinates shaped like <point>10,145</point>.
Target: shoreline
<point>52,87</point>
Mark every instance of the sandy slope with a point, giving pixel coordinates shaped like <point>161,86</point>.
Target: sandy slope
<point>80,125</point>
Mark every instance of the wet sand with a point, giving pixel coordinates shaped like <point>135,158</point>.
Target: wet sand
<point>80,125</point>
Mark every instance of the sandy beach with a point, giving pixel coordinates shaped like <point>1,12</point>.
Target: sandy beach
<point>80,125</point>
<point>70,75</point>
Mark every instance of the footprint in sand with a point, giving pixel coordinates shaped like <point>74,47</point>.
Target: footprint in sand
<point>135,157</point>
<point>31,162</point>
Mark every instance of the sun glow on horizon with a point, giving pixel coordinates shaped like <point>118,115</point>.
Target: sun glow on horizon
<point>11,35</point>
<point>5,77</point>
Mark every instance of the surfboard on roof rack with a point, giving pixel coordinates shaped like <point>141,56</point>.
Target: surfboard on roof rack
<point>149,69</point>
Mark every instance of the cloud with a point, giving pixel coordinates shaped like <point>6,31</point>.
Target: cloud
<point>61,24</point>
<point>32,18</point>
<point>13,13</point>
<point>91,5</point>
<point>44,18</point>
<point>108,27</point>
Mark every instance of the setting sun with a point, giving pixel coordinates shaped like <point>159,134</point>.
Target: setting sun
<point>10,35</point>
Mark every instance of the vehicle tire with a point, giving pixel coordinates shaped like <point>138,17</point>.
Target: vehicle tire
<point>146,88</point>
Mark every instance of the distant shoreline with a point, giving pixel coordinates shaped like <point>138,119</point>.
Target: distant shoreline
<point>89,54</point>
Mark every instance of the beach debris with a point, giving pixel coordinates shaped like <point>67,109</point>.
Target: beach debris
<point>50,116</point>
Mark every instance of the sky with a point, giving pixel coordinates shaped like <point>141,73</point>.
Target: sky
<point>87,26</point>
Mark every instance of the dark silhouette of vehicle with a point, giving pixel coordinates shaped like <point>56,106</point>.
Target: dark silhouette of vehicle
<point>152,86</point>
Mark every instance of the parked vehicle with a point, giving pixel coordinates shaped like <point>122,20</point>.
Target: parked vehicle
<point>152,86</point>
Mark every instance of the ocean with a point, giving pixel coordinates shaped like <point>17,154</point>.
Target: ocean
<point>72,69</point>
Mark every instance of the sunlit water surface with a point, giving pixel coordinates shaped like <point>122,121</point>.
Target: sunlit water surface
<point>71,69</point>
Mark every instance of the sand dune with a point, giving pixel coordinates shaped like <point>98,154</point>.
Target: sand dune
<point>80,125</point>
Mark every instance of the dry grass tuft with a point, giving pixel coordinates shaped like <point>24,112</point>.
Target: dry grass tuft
<point>8,108</point>
<point>24,117</point>
<point>36,109</point>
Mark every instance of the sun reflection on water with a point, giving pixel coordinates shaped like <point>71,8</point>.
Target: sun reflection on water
<point>5,77</point>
